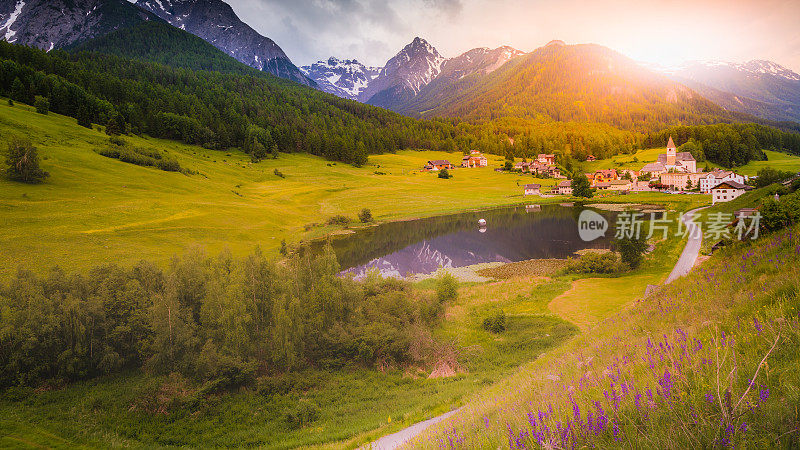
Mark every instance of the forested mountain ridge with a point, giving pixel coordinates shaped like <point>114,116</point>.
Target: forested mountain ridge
<point>161,43</point>
<point>215,22</point>
<point>49,24</point>
<point>214,109</point>
<point>584,83</point>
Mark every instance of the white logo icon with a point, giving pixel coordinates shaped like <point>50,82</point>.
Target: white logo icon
<point>591,225</point>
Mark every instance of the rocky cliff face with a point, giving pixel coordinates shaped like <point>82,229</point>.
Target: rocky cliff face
<point>215,22</point>
<point>49,24</point>
<point>404,75</point>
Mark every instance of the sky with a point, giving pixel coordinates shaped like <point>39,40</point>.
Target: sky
<point>665,32</point>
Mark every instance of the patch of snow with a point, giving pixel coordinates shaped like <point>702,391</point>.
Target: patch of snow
<point>11,19</point>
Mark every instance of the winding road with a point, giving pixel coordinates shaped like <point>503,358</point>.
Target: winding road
<point>684,264</point>
<point>692,249</point>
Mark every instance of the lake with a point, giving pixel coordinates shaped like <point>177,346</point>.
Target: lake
<point>420,246</point>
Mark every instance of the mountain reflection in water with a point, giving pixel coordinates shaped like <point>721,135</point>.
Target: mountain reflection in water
<point>421,246</point>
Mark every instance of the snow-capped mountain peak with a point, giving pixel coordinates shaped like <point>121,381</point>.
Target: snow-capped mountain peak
<point>345,78</point>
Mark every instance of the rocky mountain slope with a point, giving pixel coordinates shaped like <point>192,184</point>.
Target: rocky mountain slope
<point>762,88</point>
<point>49,24</point>
<point>582,83</point>
<point>404,75</point>
<point>215,22</point>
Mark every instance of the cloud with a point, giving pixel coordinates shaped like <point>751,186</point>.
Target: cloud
<point>372,31</point>
<point>450,8</point>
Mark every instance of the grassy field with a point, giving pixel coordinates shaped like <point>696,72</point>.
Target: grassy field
<point>114,211</point>
<point>775,160</point>
<point>95,209</point>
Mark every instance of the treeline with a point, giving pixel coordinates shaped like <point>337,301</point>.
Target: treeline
<point>262,114</point>
<point>526,138</point>
<point>729,145</point>
<point>213,109</point>
<point>217,319</point>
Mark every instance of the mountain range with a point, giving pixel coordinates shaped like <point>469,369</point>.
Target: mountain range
<point>761,88</point>
<point>555,82</point>
<point>64,24</point>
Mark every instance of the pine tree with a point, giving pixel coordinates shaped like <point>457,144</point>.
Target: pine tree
<point>84,116</point>
<point>18,91</point>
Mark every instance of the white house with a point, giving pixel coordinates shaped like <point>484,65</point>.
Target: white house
<point>727,191</point>
<point>532,189</point>
<point>716,177</point>
<point>564,187</point>
<point>546,158</point>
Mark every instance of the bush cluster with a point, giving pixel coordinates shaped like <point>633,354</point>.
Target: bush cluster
<point>495,322</point>
<point>121,150</point>
<point>594,263</point>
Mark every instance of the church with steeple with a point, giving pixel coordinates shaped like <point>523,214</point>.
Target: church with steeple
<point>672,161</point>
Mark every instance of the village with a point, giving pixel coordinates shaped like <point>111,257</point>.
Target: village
<point>673,172</point>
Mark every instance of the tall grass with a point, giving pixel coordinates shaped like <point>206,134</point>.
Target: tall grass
<point>708,361</point>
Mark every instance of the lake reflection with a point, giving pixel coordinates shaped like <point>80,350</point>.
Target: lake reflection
<point>421,246</point>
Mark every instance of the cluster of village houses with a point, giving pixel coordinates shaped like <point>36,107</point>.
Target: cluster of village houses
<point>673,170</point>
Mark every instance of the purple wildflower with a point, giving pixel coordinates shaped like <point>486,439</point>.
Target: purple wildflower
<point>763,395</point>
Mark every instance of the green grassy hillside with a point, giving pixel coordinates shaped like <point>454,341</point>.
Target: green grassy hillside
<point>120,212</point>
<point>708,361</point>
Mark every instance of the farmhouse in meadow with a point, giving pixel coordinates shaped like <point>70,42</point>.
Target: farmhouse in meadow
<point>533,189</point>
<point>564,188</point>
<point>614,185</point>
<point>475,159</point>
<point>438,164</point>
<point>602,176</point>
<point>727,191</point>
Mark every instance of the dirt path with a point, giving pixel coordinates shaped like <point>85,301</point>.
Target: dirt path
<point>692,249</point>
<point>392,441</point>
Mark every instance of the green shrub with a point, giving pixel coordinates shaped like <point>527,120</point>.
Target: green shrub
<point>338,220</point>
<point>444,174</point>
<point>780,214</point>
<point>495,322</point>
<point>42,104</point>
<point>631,250</point>
<point>365,216</point>
<point>23,162</point>
<point>446,286</point>
<point>139,156</point>
<point>302,414</point>
<point>594,263</point>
